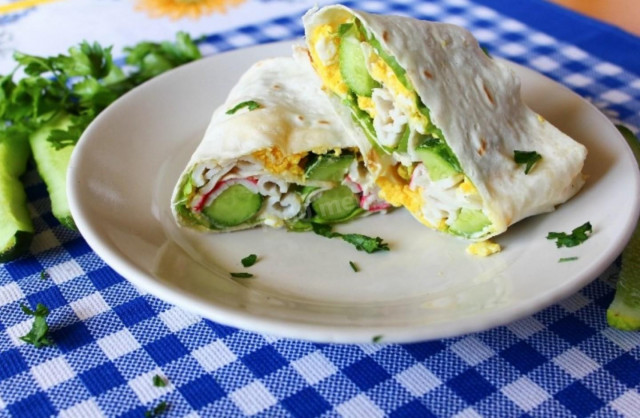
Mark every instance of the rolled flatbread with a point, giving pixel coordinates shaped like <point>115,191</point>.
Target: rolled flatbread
<point>441,125</point>
<point>275,154</point>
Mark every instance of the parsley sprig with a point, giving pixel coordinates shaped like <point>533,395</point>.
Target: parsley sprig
<point>361,242</point>
<point>576,237</point>
<point>249,260</point>
<point>241,275</point>
<point>37,336</point>
<point>80,84</point>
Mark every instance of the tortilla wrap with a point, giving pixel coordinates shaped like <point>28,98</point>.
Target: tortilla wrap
<point>434,81</point>
<point>274,124</point>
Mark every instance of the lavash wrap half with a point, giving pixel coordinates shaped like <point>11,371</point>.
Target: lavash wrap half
<point>252,166</point>
<point>455,99</point>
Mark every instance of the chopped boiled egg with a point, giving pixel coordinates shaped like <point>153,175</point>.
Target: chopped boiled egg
<point>467,187</point>
<point>397,194</point>
<point>324,58</point>
<point>405,98</point>
<point>484,248</point>
<point>275,161</point>
<point>366,104</point>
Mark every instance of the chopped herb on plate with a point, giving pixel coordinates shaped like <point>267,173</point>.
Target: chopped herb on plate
<point>249,260</point>
<point>565,259</point>
<point>241,275</point>
<point>361,242</point>
<point>354,267</point>
<point>576,237</point>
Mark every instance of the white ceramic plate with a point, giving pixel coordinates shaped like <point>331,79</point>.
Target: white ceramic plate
<point>125,166</point>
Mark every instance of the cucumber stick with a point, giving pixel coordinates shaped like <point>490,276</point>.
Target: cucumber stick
<point>16,229</point>
<point>624,311</point>
<point>52,165</point>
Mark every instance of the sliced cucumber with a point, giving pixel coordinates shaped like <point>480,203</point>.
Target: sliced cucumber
<point>234,206</point>
<point>365,121</point>
<point>353,66</point>
<point>469,222</point>
<point>403,143</point>
<point>306,191</point>
<point>624,311</point>
<point>430,129</point>
<point>438,158</point>
<point>336,205</point>
<point>52,165</point>
<point>437,166</point>
<point>16,229</point>
<point>299,226</point>
<point>390,61</point>
<point>329,167</point>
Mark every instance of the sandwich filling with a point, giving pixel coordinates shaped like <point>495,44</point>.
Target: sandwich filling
<point>426,177</point>
<point>330,187</point>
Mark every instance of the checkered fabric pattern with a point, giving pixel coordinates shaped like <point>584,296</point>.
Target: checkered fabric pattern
<point>111,339</point>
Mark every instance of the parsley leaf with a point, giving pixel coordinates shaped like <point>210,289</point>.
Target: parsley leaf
<point>376,339</point>
<point>249,260</point>
<point>80,84</point>
<point>250,104</point>
<point>576,237</point>
<point>354,267</point>
<point>323,230</point>
<point>565,259</point>
<point>37,336</point>
<point>361,242</point>
<point>160,409</point>
<point>159,382</point>
<point>365,243</point>
<point>526,157</point>
<point>242,275</point>
<point>43,275</point>
<point>151,59</point>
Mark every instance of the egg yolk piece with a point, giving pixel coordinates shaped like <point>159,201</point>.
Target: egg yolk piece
<point>324,56</point>
<point>484,248</point>
<point>275,161</point>
<point>401,195</point>
<point>406,99</point>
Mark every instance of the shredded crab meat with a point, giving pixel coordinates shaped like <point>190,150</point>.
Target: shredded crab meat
<point>373,203</point>
<point>444,197</point>
<point>244,169</point>
<point>359,181</point>
<point>272,186</point>
<point>389,120</point>
<point>352,185</point>
<point>368,201</point>
<point>211,181</point>
<point>286,206</point>
<point>359,175</point>
<point>205,177</point>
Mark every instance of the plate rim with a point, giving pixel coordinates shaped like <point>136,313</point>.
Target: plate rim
<point>329,333</point>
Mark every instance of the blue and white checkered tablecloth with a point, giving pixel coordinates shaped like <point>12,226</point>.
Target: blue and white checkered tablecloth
<point>111,339</point>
